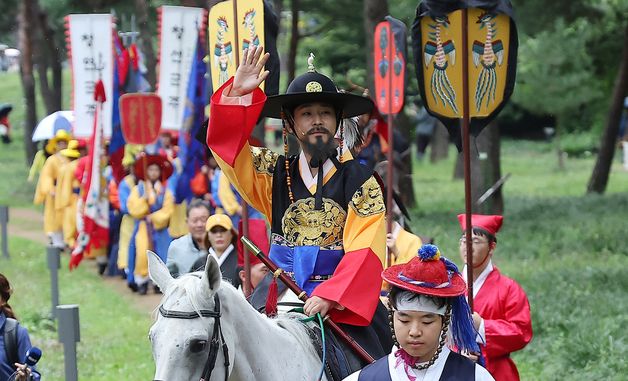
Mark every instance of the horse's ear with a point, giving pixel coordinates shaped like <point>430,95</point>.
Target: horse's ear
<point>158,271</point>
<point>212,274</point>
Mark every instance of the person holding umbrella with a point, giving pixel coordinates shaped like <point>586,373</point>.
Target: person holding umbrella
<point>46,187</point>
<point>5,126</point>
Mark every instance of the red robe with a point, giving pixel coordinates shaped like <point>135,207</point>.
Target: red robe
<point>355,283</point>
<point>503,305</point>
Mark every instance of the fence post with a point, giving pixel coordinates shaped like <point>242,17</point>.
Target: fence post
<point>54,264</point>
<point>69,334</point>
<point>4,221</point>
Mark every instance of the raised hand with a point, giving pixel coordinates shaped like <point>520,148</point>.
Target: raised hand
<point>249,74</point>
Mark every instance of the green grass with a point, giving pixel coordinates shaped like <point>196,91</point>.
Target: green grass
<point>13,164</point>
<point>568,250</point>
<point>114,334</point>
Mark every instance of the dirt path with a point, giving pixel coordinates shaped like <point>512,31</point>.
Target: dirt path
<point>28,223</point>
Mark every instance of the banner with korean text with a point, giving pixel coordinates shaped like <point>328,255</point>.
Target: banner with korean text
<point>179,30</point>
<point>89,40</point>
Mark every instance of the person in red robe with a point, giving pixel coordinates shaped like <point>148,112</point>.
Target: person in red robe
<point>326,211</point>
<point>501,311</point>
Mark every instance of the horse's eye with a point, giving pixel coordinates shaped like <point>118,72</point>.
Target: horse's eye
<point>197,346</point>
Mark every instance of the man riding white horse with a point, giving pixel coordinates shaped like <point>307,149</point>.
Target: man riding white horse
<point>326,210</point>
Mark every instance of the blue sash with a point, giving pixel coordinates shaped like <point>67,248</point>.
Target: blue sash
<point>307,265</point>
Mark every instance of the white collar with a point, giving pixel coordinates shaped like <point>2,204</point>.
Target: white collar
<point>479,281</point>
<point>304,169</point>
<point>432,373</point>
<point>224,255</point>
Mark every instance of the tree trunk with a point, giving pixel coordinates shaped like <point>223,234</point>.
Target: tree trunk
<point>439,144</point>
<point>26,75</point>
<point>145,42</point>
<point>485,169</point>
<point>489,171</point>
<point>374,12</point>
<point>294,40</point>
<point>46,56</point>
<point>404,164</point>
<point>600,174</point>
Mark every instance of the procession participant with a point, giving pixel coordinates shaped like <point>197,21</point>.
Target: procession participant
<point>183,252</point>
<point>427,312</point>
<point>5,126</point>
<point>501,308</point>
<point>46,187</point>
<point>167,145</point>
<point>258,234</point>
<point>326,210</point>
<point>67,192</point>
<point>151,204</point>
<point>222,246</point>
<point>127,222</point>
<point>177,226</point>
<point>229,200</point>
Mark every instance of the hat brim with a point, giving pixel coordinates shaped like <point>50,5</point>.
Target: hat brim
<point>71,153</point>
<point>352,105</point>
<point>145,161</point>
<point>457,287</point>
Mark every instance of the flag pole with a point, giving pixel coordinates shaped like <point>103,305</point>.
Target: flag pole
<point>245,208</point>
<point>466,153</point>
<point>389,154</point>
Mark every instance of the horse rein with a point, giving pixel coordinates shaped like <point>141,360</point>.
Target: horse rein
<point>216,338</point>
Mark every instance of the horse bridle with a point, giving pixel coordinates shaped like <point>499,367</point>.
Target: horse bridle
<point>216,338</point>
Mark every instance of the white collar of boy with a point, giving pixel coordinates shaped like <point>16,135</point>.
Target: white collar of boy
<point>408,301</point>
<point>477,284</point>
<point>434,372</point>
<point>224,255</point>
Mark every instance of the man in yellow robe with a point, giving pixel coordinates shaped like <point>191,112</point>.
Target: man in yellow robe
<point>67,192</point>
<point>46,188</point>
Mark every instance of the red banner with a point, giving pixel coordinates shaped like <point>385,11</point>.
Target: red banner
<point>390,68</point>
<point>140,115</point>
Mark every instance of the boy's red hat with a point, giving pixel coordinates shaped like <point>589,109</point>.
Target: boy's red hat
<point>490,223</point>
<point>259,235</point>
<point>144,161</point>
<point>427,274</point>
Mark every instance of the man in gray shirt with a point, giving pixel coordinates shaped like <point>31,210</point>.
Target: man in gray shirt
<point>185,251</point>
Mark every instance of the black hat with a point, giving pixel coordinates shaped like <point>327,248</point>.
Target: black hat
<point>316,87</point>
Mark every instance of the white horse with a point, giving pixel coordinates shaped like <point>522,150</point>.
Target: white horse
<point>198,308</point>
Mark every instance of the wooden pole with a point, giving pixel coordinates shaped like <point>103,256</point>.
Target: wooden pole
<point>363,354</point>
<point>389,154</point>
<point>247,288</point>
<point>466,153</point>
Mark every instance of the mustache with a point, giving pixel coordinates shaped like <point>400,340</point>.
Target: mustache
<point>318,130</point>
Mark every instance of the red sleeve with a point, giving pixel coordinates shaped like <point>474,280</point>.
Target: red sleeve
<point>513,330</point>
<point>230,126</point>
<point>352,286</point>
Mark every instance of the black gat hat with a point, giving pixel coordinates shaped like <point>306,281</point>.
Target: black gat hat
<point>316,87</point>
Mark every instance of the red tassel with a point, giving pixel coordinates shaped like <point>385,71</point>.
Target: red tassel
<point>75,260</point>
<point>271,299</point>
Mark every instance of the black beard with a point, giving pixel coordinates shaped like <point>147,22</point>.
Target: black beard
<point>320,151</point>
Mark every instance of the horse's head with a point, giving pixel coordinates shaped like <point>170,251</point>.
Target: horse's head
<point>187,323</point>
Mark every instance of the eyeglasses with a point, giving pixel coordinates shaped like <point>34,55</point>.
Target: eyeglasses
<point>475,241</point>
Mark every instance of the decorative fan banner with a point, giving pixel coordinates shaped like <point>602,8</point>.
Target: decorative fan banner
<point>222,54</point>
<point>492,59</point>
<point>90,50</point>
<point>179,28</point>
<point>140,117</point>
<point>390,65</point>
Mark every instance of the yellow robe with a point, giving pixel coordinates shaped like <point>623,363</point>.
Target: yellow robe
<point>126,226</point>
<point>139,209</point>
<point>408,246</point>
<point>45,192</point>
<point>66,199</point>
